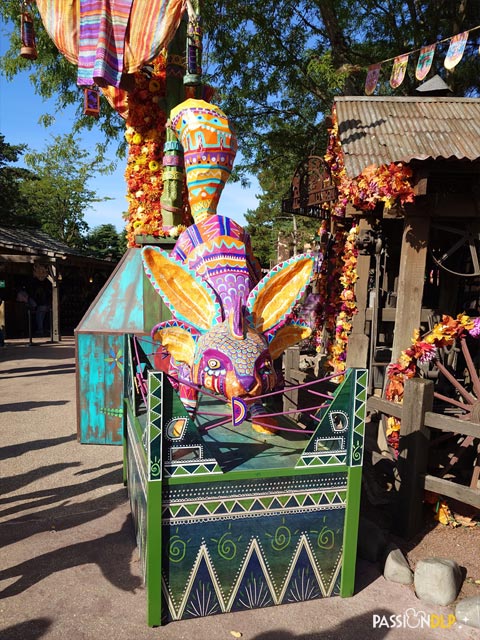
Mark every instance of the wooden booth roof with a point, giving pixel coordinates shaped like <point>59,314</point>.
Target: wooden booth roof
<point>380,130</point>
<point>33,241</point>
<point>26,244</point>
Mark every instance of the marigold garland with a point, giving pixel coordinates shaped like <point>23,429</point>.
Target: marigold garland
<point>421,351</point>
<point>386,183</point>
<point>347,305</point>
<point>145,134</point>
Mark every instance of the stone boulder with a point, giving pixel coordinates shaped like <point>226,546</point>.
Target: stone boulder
<point>437,580</point>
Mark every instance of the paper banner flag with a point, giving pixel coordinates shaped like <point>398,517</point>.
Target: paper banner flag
<point>455,50</point>
<point>398,70</point>
<point>372,78</point>
<point>425,60</point>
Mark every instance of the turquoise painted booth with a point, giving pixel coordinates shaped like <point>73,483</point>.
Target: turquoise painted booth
<point>126,304</point>
<point>228,519</point>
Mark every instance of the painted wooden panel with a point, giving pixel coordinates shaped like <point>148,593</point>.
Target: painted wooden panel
<point>127,304</point>
<point>100,361</point>
<point>221,533</point>
<point>119,306</point>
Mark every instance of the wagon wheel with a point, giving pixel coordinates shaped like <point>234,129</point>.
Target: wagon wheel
<point>466,404</point>
<point>462,256</point>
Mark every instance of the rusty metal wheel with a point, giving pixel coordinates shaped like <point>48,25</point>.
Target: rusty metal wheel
<point>464,402</point>
<point>456,250</point>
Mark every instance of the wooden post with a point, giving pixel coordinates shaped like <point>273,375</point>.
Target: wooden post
<point>410,281</point>
<point>357,354</point>
<point>53,279</point>
<point>413,455</point>
<point>292,363</point>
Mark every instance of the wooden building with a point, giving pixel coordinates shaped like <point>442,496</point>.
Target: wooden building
<point>419,261</point>
<point>52,275</point>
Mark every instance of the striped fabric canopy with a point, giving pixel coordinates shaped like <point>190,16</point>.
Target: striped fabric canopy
<point>110,38</point>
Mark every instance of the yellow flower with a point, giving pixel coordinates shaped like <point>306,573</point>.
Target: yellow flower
<point>392,425</point>
<point>153,165</point>
<point>465,321</point>
<point>137,138</point>
<point>154,86</point>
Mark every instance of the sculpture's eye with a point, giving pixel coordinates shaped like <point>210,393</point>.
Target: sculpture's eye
<point>213,363</point>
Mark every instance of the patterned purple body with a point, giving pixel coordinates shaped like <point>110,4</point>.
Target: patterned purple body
<point>218,250</point>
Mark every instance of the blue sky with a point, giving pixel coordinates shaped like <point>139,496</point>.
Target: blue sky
<point>20,110</point>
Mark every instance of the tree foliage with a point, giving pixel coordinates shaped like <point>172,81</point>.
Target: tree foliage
<point>13,207</point>
<point>105,242</point>
<point>278,64</point>
<point>52,193</point>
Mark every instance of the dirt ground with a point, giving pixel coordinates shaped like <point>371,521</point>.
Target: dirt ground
<point>459,540</point>
<point>461,544</point>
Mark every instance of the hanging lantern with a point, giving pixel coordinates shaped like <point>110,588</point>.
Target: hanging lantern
<point>91,105</point>
<point>27,34</point>
<point>193,75</point>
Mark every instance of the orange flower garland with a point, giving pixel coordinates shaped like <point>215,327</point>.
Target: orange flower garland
<point>347,306</point>
<point>145,134</point>
<point>422,350</point>
<point>387,183</point>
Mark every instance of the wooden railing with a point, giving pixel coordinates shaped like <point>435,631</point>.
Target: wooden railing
<point>417,418</point>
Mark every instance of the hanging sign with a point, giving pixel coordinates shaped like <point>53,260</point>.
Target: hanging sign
<point>425,60</point>
<point>312,186</point>
<point>373,75</point>
<point>455,50</point>
<point>398,70</point>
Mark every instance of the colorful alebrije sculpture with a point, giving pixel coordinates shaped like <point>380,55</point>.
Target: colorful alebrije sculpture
<point>227,325</point>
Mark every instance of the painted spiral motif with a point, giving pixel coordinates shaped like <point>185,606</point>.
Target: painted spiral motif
<point>226,547</point>
<point>357,452</point>
<point>326,538</point>
<point>177,549</point>
<point>155,468</point>
<point>282,538</point>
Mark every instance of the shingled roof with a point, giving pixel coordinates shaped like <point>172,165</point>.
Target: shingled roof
<point>380,130</point>
<point>33,241</point>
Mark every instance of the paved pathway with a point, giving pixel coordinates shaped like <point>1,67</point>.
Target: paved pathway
<point>69,569</point>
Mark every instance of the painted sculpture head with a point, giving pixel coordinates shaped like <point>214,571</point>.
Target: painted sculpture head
<point>228,324</point>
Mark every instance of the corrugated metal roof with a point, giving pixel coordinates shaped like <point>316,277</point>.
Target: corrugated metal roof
<point>380,130</point>
<point>33,241</point>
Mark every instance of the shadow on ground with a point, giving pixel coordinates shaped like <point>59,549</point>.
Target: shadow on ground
<point>111,553</point>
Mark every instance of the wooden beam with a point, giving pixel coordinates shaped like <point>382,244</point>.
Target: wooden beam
<point>357,354</point>
<point>413,455</point>
<point>384,406</point>
<point>453,490</point>
<point>452,425</point>
<point>410,281</point>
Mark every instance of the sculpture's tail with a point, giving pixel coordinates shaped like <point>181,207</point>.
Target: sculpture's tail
<point>209,148</point>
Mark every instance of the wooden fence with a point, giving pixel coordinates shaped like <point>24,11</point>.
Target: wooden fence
<point>417,418</point>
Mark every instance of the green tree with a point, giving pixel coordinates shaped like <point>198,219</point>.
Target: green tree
<point>281,63</point>
<point>58,196</point>
<point>278,64</point>
<point>14,208</point>
<point>105,242</point>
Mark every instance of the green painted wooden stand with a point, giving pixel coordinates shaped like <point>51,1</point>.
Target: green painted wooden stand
<point>231,519</point>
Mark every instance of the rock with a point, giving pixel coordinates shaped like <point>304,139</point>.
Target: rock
<point>396,567</point>
<point>372,541</point>
<point>437,580</point>
<point>467,611</point>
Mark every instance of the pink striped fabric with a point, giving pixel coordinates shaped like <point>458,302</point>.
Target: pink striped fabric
<point>103,25</point>
<point>108,38</point>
